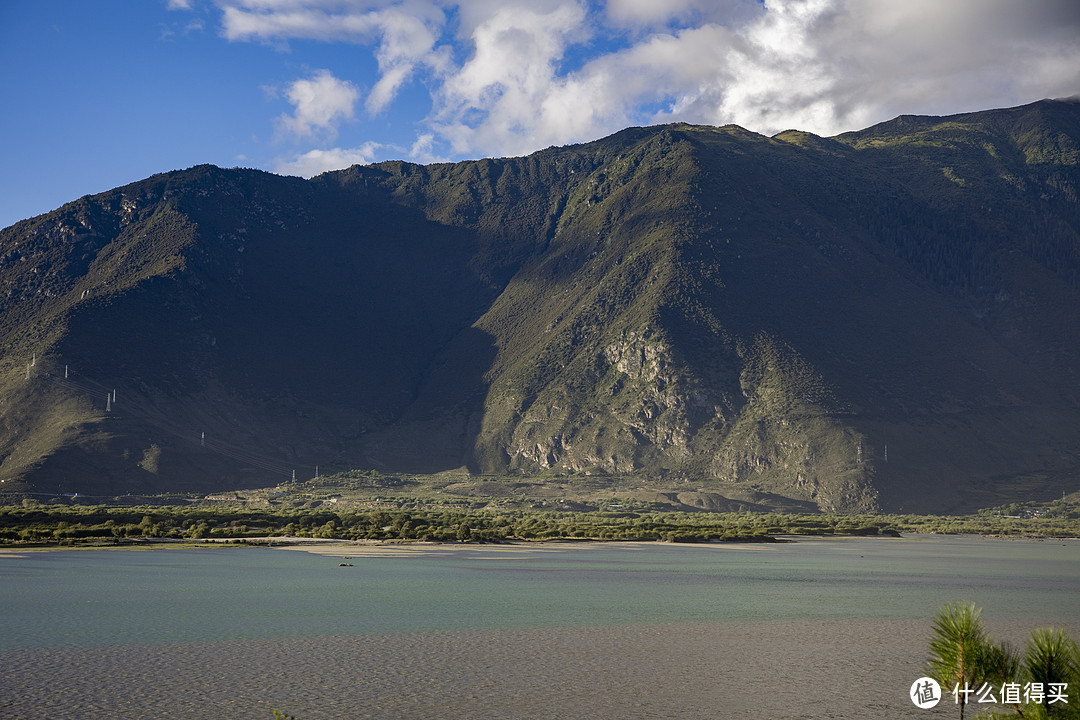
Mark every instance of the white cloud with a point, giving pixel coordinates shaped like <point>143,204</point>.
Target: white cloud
<point>407,40</point>
<point>320,103</point>
<point>315,162</point>
<point>404,32</point>
<point>495,99</point>
<point>512,76</point>
<point>608,92</point>
<point>834,65</point>
<point>423,150</point>
<point>827,65</point>
<point>777,78</point>
<point>269,22</point>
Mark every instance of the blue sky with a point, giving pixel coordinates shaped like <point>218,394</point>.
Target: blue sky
<point>99,94</point>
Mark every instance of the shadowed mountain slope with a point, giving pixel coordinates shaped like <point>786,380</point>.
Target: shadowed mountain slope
<point>886,319</point>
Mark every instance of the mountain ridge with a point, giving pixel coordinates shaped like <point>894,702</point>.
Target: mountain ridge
<point>886,319</point>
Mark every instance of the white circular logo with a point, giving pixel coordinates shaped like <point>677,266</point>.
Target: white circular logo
<point>925,693</point>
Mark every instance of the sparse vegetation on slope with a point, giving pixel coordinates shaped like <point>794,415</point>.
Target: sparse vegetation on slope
<point>883,320</point>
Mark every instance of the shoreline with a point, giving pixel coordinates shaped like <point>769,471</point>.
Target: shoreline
<point>332,546</point>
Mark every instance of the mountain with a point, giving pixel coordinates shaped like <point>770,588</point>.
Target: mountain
<point>883,320</point>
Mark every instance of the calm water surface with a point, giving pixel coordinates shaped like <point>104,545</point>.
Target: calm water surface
<point>86,598</point>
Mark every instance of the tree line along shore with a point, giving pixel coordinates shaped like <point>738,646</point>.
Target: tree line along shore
<point>32,523</point>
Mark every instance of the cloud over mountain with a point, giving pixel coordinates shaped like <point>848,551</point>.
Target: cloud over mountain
<point>506,78</point>
<point>321,102</point>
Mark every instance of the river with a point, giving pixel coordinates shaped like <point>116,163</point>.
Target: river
<point>820,627</point>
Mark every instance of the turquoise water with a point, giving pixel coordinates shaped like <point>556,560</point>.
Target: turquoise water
<point>86,598</point>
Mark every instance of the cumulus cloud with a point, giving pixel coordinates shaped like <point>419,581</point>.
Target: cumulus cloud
<point>941,58</point>
<point>407,40</point>
<point>315,162</point>
<point>275,21</point>
<point>320,103</point>
<point>423,150</point>
<point>512,76</point>
<point>496,99</point>
<point>404,33</point>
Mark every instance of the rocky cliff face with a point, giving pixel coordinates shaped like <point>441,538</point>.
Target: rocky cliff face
<point>887,319</point>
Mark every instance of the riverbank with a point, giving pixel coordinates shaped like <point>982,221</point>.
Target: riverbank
<point>379,548</point>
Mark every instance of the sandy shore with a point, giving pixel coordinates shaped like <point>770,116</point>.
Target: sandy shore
<point>317,546</point>
<point>375,548</point>
<point>785,669</point>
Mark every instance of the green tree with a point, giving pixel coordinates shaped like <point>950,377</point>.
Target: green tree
<point>1053,658</point>
<point>1000,664</point>
<point>959,648</point>
<point>964,657</point>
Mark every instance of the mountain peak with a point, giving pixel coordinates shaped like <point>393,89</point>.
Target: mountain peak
<point>882,320</point>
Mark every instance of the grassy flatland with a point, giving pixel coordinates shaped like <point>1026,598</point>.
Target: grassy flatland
<point>455,508</point>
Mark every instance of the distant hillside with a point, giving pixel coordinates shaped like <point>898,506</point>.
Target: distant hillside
<point>888,319</point>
